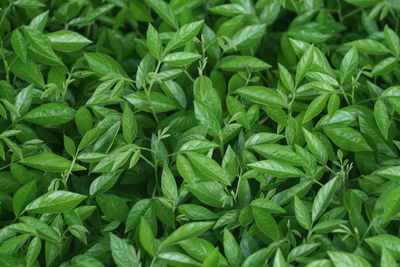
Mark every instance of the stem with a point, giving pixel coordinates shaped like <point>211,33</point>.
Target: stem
<point>65,178</point>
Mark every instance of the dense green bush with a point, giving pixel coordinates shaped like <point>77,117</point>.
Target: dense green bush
<point>199,133</point>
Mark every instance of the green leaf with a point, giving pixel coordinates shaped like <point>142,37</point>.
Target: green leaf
<point>316,107</point>
<point>391,205</point>
<point>344,258</point>
<point>154,42</point>
<point>316,146</point>
<point>23,196</point>
<point>266,223</point>
<point>304,64</point>
<point>384,66</point>
<point>347,138</point>
<point>69,146</point>
<point>104,182</point>
<point>184,34</point>
<point>50,113</point>
<point>349,65</point>
<point>55,202</point>
<point>385,241</point>
<point>28,71</point>
<point>187,231</point>
<point>67,41</point>
<point>51,163</point>
<point>83,120</point>
<point>243,63</point>
<point>156,102</point>
<point>279,260</point>
<point>248,36</point>
<point>369,46</point>
<point>286,78</point>
<point>382,117</point>
<point>262,95</point>
<point>102,64</point>
<point>276,169</point>
<point>392,40</point>
<point>392,172</point>
<point>33,251</point>
<point>19,44</point>
<point>323,198</point>
<point>123,253</point>
<point>387,259</point>
<point>232,249</point>
<point>168,184</point>
<point>178,259</point>
<point>146,236</point>
<point>129,125</point>
<point>164,11</point>
<point>181,58</point>
<point>301,213</point>
<point>208,167</point>
<point>41,45</point>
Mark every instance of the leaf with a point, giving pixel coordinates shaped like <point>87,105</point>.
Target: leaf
<point>248,36</point>
<point>385,241</point>
<point>262,95</point>
<point>50,162</point>
<point>243,63</point>
<point>168,184</point>
<point>316,146</point>
<point>384,66</point>
<point>102,64</point>
<point>232,249</point>
<point>33,251</point>
<point>23,196</point>
<point>304,64</point>
<point>154,42</point>
<point>315,107</point>
<point>276,169</point>
<point>391,205</point>
<point>19,44</point>
<point>286,78</point>
<point>67,41</point>
<point>212,259</point>
<point>387,259</point>
<point>184,34</point>
<point>55,202</point>
<point>369,46</point>
<point>279,260</point>
<point>41,44</point>
<point>382,117</point>
<point>164,11</point>
<point>323,198</point>
<point>266,223</point>
<point>50,113</point>
<point>28,71</point>
<point>146,236</point>
<point>69,146</point>
<point>129,125</point>
<point>123,253</point>
<point>187,231</point>
<point>346,138</point>
<point>343,258</point>
<point>208,167</point>
<point>181,58</point>
<point>104,182</point>
<point>349,65</point>
<point>301,213</point>
<point>392,172</point>
<point>156,102</point>
<point>392,40</point>
<point>178,259</point>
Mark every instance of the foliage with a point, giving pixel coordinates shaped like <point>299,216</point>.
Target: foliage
<point>199,133</point>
